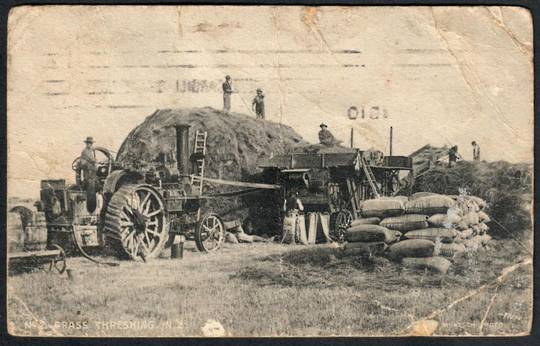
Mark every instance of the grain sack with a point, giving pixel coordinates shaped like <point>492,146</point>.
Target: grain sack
<point>313,219</point>
<point>483,228</point>
<point>483,217</point>
<point>364,249</point>
<point>301,235</point>
<point>474,243</point>
<point>230,238</point>
<point>422,194</point>
<point>366,221</point>
<point>15,232</point>
<point>324,222</point>
<point>405,223</point>
<point>446,235</point>
<point>371,233</point>
<point>430,205</point>
<point>467,233</point>
<point>434,264</point>
<point>479,201</point>
<point>382,207</point>
<point>484,239</point>
<point>450,250</point>
<point>471,218</point>
<point>443,220</point>
<point>403,199</point>
<point>411,248</point>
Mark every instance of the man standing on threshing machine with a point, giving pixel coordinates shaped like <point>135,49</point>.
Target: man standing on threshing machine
<point>88,160</point>
<point>475,151</point>
<point>258,104</point>
<point>326,137</point>
<point>227,91</point>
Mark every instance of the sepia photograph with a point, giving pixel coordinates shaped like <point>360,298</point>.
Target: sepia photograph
<point>269,171</point>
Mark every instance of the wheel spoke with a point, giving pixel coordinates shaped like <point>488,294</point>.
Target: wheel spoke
<point>155,233</point>
<point>143,203</point>
<point>146,236</point>
<point>156,212</point>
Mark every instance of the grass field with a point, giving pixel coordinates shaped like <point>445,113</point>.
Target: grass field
<point>273,290</point>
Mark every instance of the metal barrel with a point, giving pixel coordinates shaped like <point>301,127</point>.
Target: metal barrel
<point>177,250</point>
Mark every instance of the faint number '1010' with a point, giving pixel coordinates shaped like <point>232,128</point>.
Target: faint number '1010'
<point>373,112</point>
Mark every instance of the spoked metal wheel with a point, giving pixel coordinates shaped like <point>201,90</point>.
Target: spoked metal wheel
<point>341,221</point>
<point>210,233</point>
<point>135,222</point>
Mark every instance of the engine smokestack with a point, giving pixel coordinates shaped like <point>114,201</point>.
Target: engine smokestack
<point>182,149</point>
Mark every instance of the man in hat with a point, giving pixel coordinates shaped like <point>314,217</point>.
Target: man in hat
<point>227,91</point>
<point>326,137</point>
<point>453,156</point>
<point>258,104</point>
<point>88,159</point>
<point>475,151</point>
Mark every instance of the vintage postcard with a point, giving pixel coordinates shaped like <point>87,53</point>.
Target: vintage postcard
<point>238,171</point>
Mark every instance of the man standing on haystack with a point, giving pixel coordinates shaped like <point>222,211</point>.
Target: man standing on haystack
<point>258,104</point>
<point>453,156</point>
<point>227,91</point>
<point>475,151</point>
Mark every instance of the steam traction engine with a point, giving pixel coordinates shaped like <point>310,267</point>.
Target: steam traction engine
<point>135,209</point>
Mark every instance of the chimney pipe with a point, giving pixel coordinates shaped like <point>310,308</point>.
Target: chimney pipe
<point>182,149</point>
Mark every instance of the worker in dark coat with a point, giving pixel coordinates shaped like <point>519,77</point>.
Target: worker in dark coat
<point>475,151</point>
<point>258,104</point>
<point>227,91</point>
<point>326,137</point>
<point>453,156</point>
<point>88,159</point>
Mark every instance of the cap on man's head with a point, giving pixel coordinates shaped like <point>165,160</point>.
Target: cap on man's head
<point>323,125</point>
<point>259,90</point>
<point>227,77</point>
<point>89,140</point>
<point>473,142</point>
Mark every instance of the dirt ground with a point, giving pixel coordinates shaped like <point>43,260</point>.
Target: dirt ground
<point>275,290</point>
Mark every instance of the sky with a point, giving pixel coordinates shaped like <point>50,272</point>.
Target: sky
<point>442,75</point>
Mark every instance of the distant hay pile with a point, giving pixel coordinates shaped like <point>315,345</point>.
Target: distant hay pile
<point>236,145</point>
<point>506,187</point>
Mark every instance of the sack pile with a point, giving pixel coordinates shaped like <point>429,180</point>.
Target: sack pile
<point>419,231</point>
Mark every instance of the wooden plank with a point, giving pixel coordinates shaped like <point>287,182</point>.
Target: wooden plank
<point>241,183</point>
<point>44,253</point>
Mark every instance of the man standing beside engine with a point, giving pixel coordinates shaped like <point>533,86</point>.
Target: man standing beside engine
<point>88,159</point>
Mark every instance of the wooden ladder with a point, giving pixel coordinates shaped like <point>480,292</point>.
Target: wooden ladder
<point>199,148</point>
<point>353,193</point>
<point>371,178</point>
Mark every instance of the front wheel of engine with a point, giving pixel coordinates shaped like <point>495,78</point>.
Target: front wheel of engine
<point>210,233</point>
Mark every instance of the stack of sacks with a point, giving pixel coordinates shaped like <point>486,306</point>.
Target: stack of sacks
<point>418,254</point>
<point>469,219</point>
<point>430,227</point>
<point>368,239</point>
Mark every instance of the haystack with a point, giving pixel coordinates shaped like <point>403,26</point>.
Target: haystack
<point>506,187</point>
<point>236,145</point>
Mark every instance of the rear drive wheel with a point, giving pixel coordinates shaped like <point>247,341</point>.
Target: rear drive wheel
<point>135,222</point>
<point>210,233</point>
